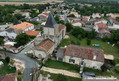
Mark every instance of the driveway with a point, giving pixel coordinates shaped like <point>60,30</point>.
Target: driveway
<point>60,71</point>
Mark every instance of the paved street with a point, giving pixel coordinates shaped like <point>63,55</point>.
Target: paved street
<point>29,63</point>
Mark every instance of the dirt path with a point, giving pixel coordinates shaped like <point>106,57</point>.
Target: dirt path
<point>59,71</point>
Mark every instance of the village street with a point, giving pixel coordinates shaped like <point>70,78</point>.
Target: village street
<point>28,62</point>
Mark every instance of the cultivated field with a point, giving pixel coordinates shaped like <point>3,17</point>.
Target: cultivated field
<point>30,3</point>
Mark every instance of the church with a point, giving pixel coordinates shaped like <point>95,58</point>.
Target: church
<point>52,35</point>
<point>53,31</point>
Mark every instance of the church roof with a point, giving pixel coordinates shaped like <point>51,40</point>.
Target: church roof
<point>51,21</point>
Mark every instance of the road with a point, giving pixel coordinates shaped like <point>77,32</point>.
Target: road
<point>29,63</point>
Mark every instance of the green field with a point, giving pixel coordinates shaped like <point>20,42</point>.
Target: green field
<point>6,69</point>
<point>108,49</point>
<point>61,65</point>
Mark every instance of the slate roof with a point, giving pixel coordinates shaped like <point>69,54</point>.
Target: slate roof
<point>51,21</point>
<point>85,53</point>
<point>60,52</point>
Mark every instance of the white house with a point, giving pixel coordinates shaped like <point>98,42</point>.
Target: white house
<point>15,30</point>
<point>74,54</point>
<point>100,21</point>
<point>78,23</point>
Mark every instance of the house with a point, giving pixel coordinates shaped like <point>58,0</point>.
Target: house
<point>74,54</point>
<point>96,15</point>
<point>36,19</point>
<point>33,33</point>
<point>53,31</point>
<point>26,14</point>
<point>8,77</point>
<point>113,15</point>
<point>86,18</point>
<point>15,30</point>
<point>102,30</point>
<point>100,21</point>
<point>72,19</point>
<point>114,25</point>
<point>75,14</point>
<point>3,27</point>
<point>43,49</point>
<point>78,23</point>
<point>44,15</point>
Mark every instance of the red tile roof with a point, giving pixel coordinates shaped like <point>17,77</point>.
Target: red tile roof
<point>9,77</point>
<point>47,45</point>
<point>85,52</point>
<point>103,31</point>
<point>101,25</point>
<point>61,27</point>
<point>22,26</point>
<point>35,33</point>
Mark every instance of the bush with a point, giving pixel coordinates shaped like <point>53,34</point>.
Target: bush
<point>32,36</point>
<point>115,61</point>
<point>79,37</point>
<point>7,59</point>
<point>117,69</point>
<point>19,72</point>
<point>88,42</point>
<point>11,62</point>
<point>19,78</point>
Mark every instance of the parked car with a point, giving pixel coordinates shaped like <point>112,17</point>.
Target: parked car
<point>88,74</point>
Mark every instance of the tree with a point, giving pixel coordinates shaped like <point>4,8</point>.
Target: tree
<point>21,39</point>
<point>69,26</point>
<point>15,21</point>
<point>61,77</point>
<point>57,18</point>
<point>117,69</point>
<point>79,31</point>
<point>7,59</point>
<point>115,36</point>
<point>88,42</point>
<point>79,37</point>
<point>71,15</point>
<point>104,68</point>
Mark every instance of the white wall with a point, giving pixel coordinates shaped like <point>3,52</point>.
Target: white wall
<point>88,63</point>
<point>77,24</point>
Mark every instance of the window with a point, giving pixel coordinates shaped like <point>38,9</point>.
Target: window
<point>72,60</point>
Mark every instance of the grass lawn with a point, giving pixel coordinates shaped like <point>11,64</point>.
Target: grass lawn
<point>5,69</point>
<point>61,65</point>
<point>108,49</point>
<point>54,78</point>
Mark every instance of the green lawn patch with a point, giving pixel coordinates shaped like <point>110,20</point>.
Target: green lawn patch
<point>54,77</point>
<point>61,65</point>
<point>6,69</point>
<point>108,49</point>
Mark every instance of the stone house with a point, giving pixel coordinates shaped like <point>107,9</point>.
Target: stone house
<point>74,54</point>
<point>43,49</point>
<point>78,23</point>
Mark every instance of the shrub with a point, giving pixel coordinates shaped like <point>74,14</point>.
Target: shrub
<point>117,69</point>
<point>79,37</point>
<point>7,59</point>
<point>61,78</point>
<point>19,78</point>
<point>88,42</point>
